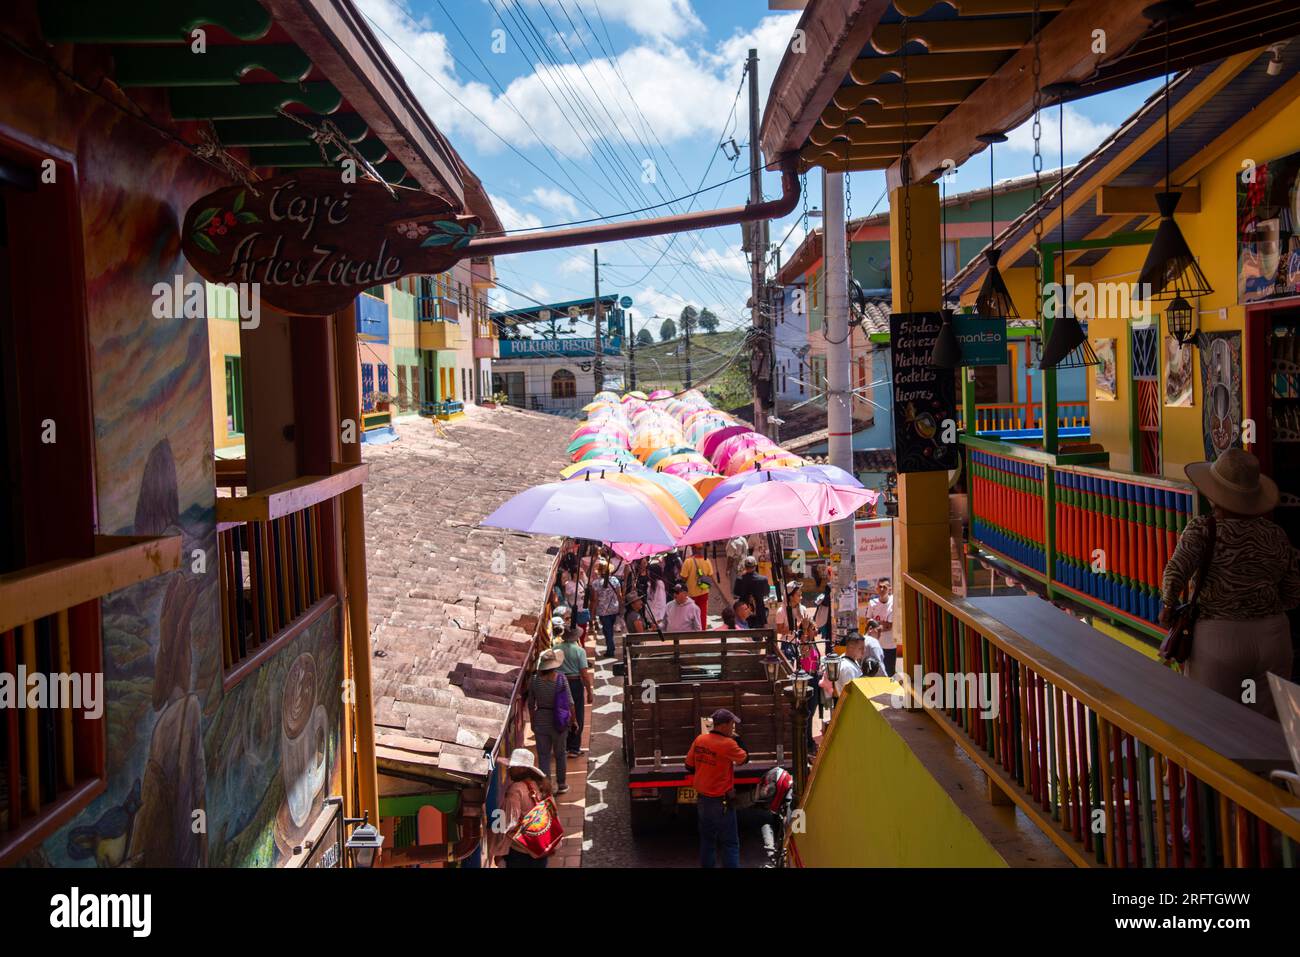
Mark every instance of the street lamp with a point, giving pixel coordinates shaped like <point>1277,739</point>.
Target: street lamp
<point>365,842</point>
<point>771,663</point>
<point>801,684</point>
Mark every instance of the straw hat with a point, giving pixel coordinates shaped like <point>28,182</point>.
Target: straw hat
<point>523,758</point>
<point>550,659</point>
<point>1232,481</point>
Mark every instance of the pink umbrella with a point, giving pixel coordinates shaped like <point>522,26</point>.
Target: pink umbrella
<point>718,436</point>
<point>631,551</point>
<point>660,394</point>
<point>724,451</point>
<point>774,506</point>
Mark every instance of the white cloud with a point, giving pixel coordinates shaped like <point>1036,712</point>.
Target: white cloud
<point>575,264</point>
<point>512,217</point>
<point>555,200</point>
<point>648,18</point>
<point>1082,135</point>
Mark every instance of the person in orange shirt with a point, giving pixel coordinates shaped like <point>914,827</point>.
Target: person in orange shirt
<point>712,760</point>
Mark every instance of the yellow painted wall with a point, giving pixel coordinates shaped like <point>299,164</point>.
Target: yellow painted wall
<point>223,340</point>
<point>872,803</point>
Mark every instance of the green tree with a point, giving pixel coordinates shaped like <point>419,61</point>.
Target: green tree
<point>690,317</point>
<point>668,331</point>
<point>644,338</point>
<point>708,321</point>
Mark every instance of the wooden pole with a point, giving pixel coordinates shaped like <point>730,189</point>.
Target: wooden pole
<point>354,556</point>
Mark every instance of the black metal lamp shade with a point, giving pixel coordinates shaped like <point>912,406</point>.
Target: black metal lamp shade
<point>947,350</point>
<point>1181,319</point>
<point>994,300</point>
<point>1170,270</point>
<point>1067,347</point>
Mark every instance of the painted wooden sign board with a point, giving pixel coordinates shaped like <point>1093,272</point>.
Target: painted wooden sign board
<point>983,341</point>
<point>312,242</point>
<point>925,398</point>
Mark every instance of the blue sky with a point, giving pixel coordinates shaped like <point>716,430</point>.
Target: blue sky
<point>568,109</point>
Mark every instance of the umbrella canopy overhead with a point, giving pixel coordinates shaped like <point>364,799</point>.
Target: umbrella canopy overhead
<point>773,507</point>
<point>655,493</point>
<point>812,474</point>
<point>596,510</point>
<point>717,436</point>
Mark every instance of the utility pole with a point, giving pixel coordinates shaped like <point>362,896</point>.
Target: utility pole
<point>686,334</point>
<point>598,366</point>
<point>839,410</point>
<point>757,240</point>
<point>630,332</point>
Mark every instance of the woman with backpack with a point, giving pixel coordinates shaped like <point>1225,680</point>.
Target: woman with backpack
<point>528,789</point>
<point>550,706</point>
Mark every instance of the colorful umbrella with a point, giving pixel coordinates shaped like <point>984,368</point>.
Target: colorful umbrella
<point>666,451</point>
<point>597,510</point>
<point>772,507</point>
<point>718,436</point>
<point>654,492</point>
<point>680,489</point>
<point>591,465</point>
<point>814,474</point>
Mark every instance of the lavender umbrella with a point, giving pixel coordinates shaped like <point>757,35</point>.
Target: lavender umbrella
<point>579,509</point>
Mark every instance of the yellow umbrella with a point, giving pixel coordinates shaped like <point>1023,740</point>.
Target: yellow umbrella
<point>592,406</point>
<point>590,463</point>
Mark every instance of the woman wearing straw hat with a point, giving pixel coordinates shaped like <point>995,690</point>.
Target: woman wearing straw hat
<point>1252,579</point>
<point>552,714</point>
<point>527,786</point>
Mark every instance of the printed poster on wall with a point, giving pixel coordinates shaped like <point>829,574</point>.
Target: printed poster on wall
<point>1103,379</point>
<point>924,397</point>
<point>1220,391</point>
<point>1268,248</point>
<point>873,553</point>
<point>1178,374</point>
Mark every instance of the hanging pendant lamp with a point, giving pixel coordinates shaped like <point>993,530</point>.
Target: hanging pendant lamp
<point>994,299</point>
<point>946,353</point>
<point>1067,347</point>
<point>1170,271</point>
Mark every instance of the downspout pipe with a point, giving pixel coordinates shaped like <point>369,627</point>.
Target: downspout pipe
<point>783,205</point>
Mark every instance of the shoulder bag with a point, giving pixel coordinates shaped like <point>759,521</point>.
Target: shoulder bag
<point>1177,646</point>
<point>538,832</point>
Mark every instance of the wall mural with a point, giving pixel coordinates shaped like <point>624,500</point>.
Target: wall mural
<point>257,761</point>
<point>1220,391</point>
<point>1268,230</point>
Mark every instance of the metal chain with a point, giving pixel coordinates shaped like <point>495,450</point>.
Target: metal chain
<point>848,197</point>
<point>803,191</point>
<point>904,167</point>
<point>1038,180</point>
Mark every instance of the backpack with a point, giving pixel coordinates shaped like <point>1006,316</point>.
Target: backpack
<point>563,705</point>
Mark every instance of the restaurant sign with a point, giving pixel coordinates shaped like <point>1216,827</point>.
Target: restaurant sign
<point>925,398</point>
<point>312,243</point>
<point>558,348</point>
<point>983,341</point>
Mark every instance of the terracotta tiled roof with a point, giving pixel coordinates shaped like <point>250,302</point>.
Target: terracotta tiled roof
<point>449,635</point>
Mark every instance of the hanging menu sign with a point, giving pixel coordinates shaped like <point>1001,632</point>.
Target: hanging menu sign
<point>311,242</point>
<point>925,398</point>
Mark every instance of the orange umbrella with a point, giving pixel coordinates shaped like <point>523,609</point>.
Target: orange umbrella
<point>704,484</point>
<point>657,496</point>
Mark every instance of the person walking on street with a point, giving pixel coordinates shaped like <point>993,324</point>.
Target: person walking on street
<point>697,572</point>
<point>682,614</point>
<point>712,760</point>
<point>1252,578</point>
<point>607,599</point>
<point>528,786</point>
<point>736,552</point>
<point>753,588</point>
<point>656,597</point>
<point>582,689</point>
<point>881,610</point>
<point>552,716</point>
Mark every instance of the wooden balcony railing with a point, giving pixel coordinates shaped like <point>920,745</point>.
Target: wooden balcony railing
<point>1120,761</point>
<point>1097,536</point>
<point>275,548</point>
<point>52,750</point>
<point>1012,418</point>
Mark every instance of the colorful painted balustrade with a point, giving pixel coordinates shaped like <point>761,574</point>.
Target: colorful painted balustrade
<point>1007,513</point>
<point>1114,536</point>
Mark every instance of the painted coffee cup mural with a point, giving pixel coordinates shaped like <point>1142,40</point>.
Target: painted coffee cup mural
<point>303,746</point>
<point>1268,248</point>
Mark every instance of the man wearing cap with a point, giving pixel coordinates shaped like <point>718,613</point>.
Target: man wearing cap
<point>682,614</point>
<point>712,760</point>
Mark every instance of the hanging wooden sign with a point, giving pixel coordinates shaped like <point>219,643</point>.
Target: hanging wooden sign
<point>311,242</point>
<point>925,398</point>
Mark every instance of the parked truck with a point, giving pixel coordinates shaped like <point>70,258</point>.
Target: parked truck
<point>672,684</point>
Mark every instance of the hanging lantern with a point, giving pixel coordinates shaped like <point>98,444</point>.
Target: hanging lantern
<point>947,350</point>
<point>994,299</point>
<point>1181,319</point>
<point>1170,271</point>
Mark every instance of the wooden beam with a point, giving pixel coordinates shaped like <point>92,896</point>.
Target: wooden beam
<point>120,561</point>
<point>890,95</point>
<point>875,116</point>
<point>1116,200</point>
<point>956,36</point>
<point>981,8</point>
<point>859,134</point>
<point>282,500</point>
<point>1005,100</point>
<point>833,34</point>
<point>929,68</point>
